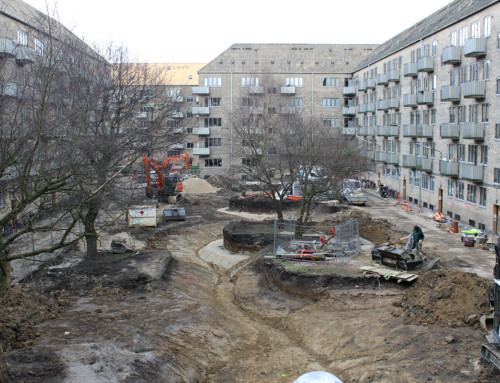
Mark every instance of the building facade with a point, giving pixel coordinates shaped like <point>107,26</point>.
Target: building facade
<point>428,112</point>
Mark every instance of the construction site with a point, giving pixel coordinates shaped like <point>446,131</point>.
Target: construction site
<point>217,290</point>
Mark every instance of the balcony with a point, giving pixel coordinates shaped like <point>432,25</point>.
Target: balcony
<point>349,90</point>
<point>382,79</point>
<point>392,158</point>
<point>409,131</point>
<point>425,98</point>
<point>178,99</point>
<point>287,90</point>
<point>8,89</point>
<point>474,89</point>
<point>449,130</point>
<point>362,108</point>
<point>201,151</point>
<point>473,131</point>
<point>178,131</point>
<point>475,47</point>
<point>369,154</point>
<point>255,89</point>
<point>451,55</point>
<point>388,131</point>
<point>177,115</point>
<point>256,109</point>
<point>409,161</point>
<point>201,110</point>
<point>425,64</point>
<point>288,110</point>
<point>424,164</point>
<point>370,83</point>
<point>201,131</point>
<point>142,115</point>
<point>25,55</point>
<point>366,131</point>
<point>362,86</point>
<point>349,110</point>
<point>203,90</point>
<point>410,100</point>
<point>380,156</point>
<point>178,146</point>
<point>393,103</point>
<point>425,131</point>
<point>7,48</point>
<point>450,93</point>
<point>448,168</point>
<point>410,70</point>
<point>393,76</point>
<point>349,131</point>
<point>382,105</point>
<point>370,107</point>
<point>472,172</point>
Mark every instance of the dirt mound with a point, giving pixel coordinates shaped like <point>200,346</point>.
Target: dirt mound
<point>198,186</point>
<point>248,236</point>
<point>221,182</point>
<point>259,204</point>
<point>446,298</point>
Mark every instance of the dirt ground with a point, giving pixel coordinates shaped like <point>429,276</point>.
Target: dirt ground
<point>171,313</point>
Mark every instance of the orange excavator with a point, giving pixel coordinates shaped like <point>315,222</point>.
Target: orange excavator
<point>162,186</point>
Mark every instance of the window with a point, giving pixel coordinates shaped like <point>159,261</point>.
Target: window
<point>212,101</point>
<point>471,193</point>
<point>484,155</point>
<point>173,92</point>
<point>457,217</point>
<point>451,188</point>
<point>212,121</point>
<point>173,123</point>
<point>473,112</point>
<point>453,76</point>
<point>451,151</point>
<point>461,113</point>
<point>38,47</point>
<point>272,90</point>
<point>485,112</point>
<point>331,102</point>
<point>474,72</point>
<point>147,108</point>
<point>189,130</point>
<point>462,36</point>
<point>417,179</point>
<point>461,152</point>
<point>172,153</point>
<point>486,70</point>
<point>294,81</point>
<point>213,142</point>
<point>482,196</point>
<point>498,87</point>
<point>425,181</point>
<point>249,81</point>
<point>331,122</point>
<point>213,162</point>
<point>497,131</point>
<point>453,39</point>
<point>434,48</point>
<point>472,223</point>
<point>475,29</point>
<point>295,101</point>
<point>249,101</point>
<point>453,112</point>
<point>189,99</point>
<point>213,81</point>
<point>189,145</point>
<point>460,190</point>
<point>487,26</point>
<point>248,161</point>
<point>410,178</point>
<point>496,175</point>
<point>432,184</point>
<point>22,37</point>
<point>271,110</point>
<point>472,154</point>
<point>331,81</point>
<point>462,75</point>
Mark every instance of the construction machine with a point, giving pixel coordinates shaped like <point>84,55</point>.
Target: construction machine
<point>161,182</point>
<point>491,351</point>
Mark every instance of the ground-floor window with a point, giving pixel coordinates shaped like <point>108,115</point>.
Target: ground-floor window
<point>482,196</point>
<point>451,188</point>
<point>471,193</point>
<point>460,190</point>
<point>213,162</point>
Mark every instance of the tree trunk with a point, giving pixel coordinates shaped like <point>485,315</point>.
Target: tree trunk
<point>89,224</point>
<point>5,277</point>
<point>4,372</point>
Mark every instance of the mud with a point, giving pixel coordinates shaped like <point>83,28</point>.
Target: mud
<point>259,204</point>
<point>244,236</point>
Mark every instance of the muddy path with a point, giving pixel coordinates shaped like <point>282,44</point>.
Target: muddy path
<point>178,314</point>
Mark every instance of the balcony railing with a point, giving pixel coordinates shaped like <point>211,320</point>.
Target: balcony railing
<point>382,105</point>
<point>177,115</point>
<point>393,76</point>
<point>201,151</point>
<point>450,130</point>
<point>201,110</point>
<point>361,86</point>
<point>201,131</point>
<point>349,110</point>
<point>362,108</point>
<point>8,89</point>
<point>424,164</point>
<point>382,79</point>
<point>349,90</point>
<point>450,93</point>
<point>448,168</point>
<point>370,107</point>
<point>410,100</point>
<point>255,89</point>
<point>366,131</point>
<point>178,146</point>
<point>409,131</point>
<point>287,90</point>
<point>425,98</point>
<point>474,89</point>
<point>409,161</point>
<point>201,90</point>
<point>7,47</point>
<point>349,131</point>
<point>473,131</point>
<point>393,103</point>
<point>425,64</point>
<point>451,55</point>
<point>392,158</point>
<point>410,70</point>
<point>425,130</point>
<point>370,83</point>
<point>25,55</point>
<point>380,156</point>
<point>472,172</point>
<point>388,131</point>
<point>475,47</point>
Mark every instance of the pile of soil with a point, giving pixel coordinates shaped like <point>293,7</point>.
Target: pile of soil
<point>221,182</point>
<point>259,204</point>
<point>197,186</point>
<point>241,236</point>
<point>445,297</point>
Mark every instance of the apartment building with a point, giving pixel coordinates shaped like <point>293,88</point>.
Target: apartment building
<point>309,77</point>
<point>428,112</point>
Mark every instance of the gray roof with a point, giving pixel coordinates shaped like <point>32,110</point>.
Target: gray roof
<point>441,19</point>
<point>289,58</point>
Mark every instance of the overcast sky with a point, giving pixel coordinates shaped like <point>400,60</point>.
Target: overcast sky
<point>197,31</point>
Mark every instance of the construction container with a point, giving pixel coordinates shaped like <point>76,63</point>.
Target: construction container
<point>174,214</point>
<point>141,216</point>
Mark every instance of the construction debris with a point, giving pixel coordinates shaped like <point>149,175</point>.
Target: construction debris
<point>389,274</point>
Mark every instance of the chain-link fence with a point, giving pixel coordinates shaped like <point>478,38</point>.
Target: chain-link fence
<point>316,240</point>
